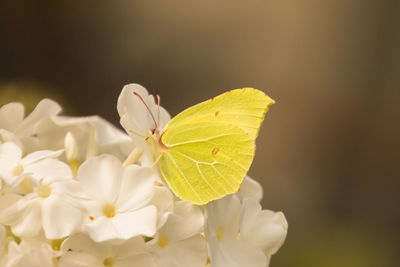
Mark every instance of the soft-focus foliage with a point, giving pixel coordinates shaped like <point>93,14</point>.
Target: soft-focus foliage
<point>79,192</point>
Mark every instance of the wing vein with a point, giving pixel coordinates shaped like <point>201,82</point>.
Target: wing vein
<point>223,177</point>
<point>216,162</point>
<point>184,177</point>
<point>205,180</point>
<point>199,140</point>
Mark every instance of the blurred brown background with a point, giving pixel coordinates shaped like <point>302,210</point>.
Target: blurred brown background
<point>328,152</point>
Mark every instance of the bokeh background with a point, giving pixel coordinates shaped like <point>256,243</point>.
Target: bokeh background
<point>328,153</point>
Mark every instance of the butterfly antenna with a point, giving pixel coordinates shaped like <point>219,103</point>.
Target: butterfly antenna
<point>148,109</point>
<point>158,108</point>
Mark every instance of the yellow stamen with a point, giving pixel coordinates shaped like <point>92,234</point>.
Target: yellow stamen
<point>26,186</point>
<point>9,233</point>
<point>56,244</point>
<point>108,262</point>
<point>219,233</point>
<point>43,191</point>
<point>109,210</point>
<point>163,241</point>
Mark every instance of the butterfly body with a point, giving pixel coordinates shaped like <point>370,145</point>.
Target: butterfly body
<point>206,151</point>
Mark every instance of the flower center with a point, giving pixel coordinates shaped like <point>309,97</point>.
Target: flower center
<point>18,170</point>
<point>109,210</point>
<point>108,262</point>
<point>163,241</point>
<point>26,186</point>
<point>43,191</point>
<point>10,234</point>
<point>56,244</point>
<point>219,233</point>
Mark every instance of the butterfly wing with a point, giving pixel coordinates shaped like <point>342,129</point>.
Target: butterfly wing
<point>244,108</point>
<point>211,145</point>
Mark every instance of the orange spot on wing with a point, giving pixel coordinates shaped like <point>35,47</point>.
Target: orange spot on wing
<point>216,113</point>
<point>91,218</point>
<point>214,151</point>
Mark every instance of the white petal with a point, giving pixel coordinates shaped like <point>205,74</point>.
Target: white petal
<point>44,109</point>
<point>132,246</point>
<point>147,158</point>
<point>102,229</point>
<point>14,254</point>
<point>144,259</point>
<point>136,188</point>
<point>250,188</point>
<point>49,170</point>
<point>124,226</point>
<point>139,222</point>
<point>134,252</point>
<point>189,252</point>
<point>11,115</point>
<point>10,155</point>
<point>36,253</point>
<point>106,132</point>
<point>36,258</point>
<point>83,244</point>
<point>163,199</point>
<point>265,228</point>
<point>9,211</point>
<point>234,253</point>
<point>39,155</point>
<point>60,218</point>
<point>29,222</point>
<point>78,259</point>
<point>2,237</point>
<point>224,212</point>
<point>137,114</point>
<point>7,136</point>
<point>186,221</point>
<point>100,177</point>
<point>135,117</point>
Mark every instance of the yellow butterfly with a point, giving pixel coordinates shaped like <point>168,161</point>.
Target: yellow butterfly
<point>206,150</point>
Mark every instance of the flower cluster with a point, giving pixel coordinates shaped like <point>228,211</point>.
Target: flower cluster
<point>77,191</point>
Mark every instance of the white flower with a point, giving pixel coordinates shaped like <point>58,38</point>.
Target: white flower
<point>224,227</point>
<point>179,242</point>
<point>265,228</point>
<point>163,199</point>
<point>250,188</point>
<point>51,207</point>
<point>14,126</point>
<point>94,135</point>
<point>37,165</point>
<point>81,251</point>
<point>119,199</point>
<point>140,115</point>
<point>48,188</point>
<point>30,252</point>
